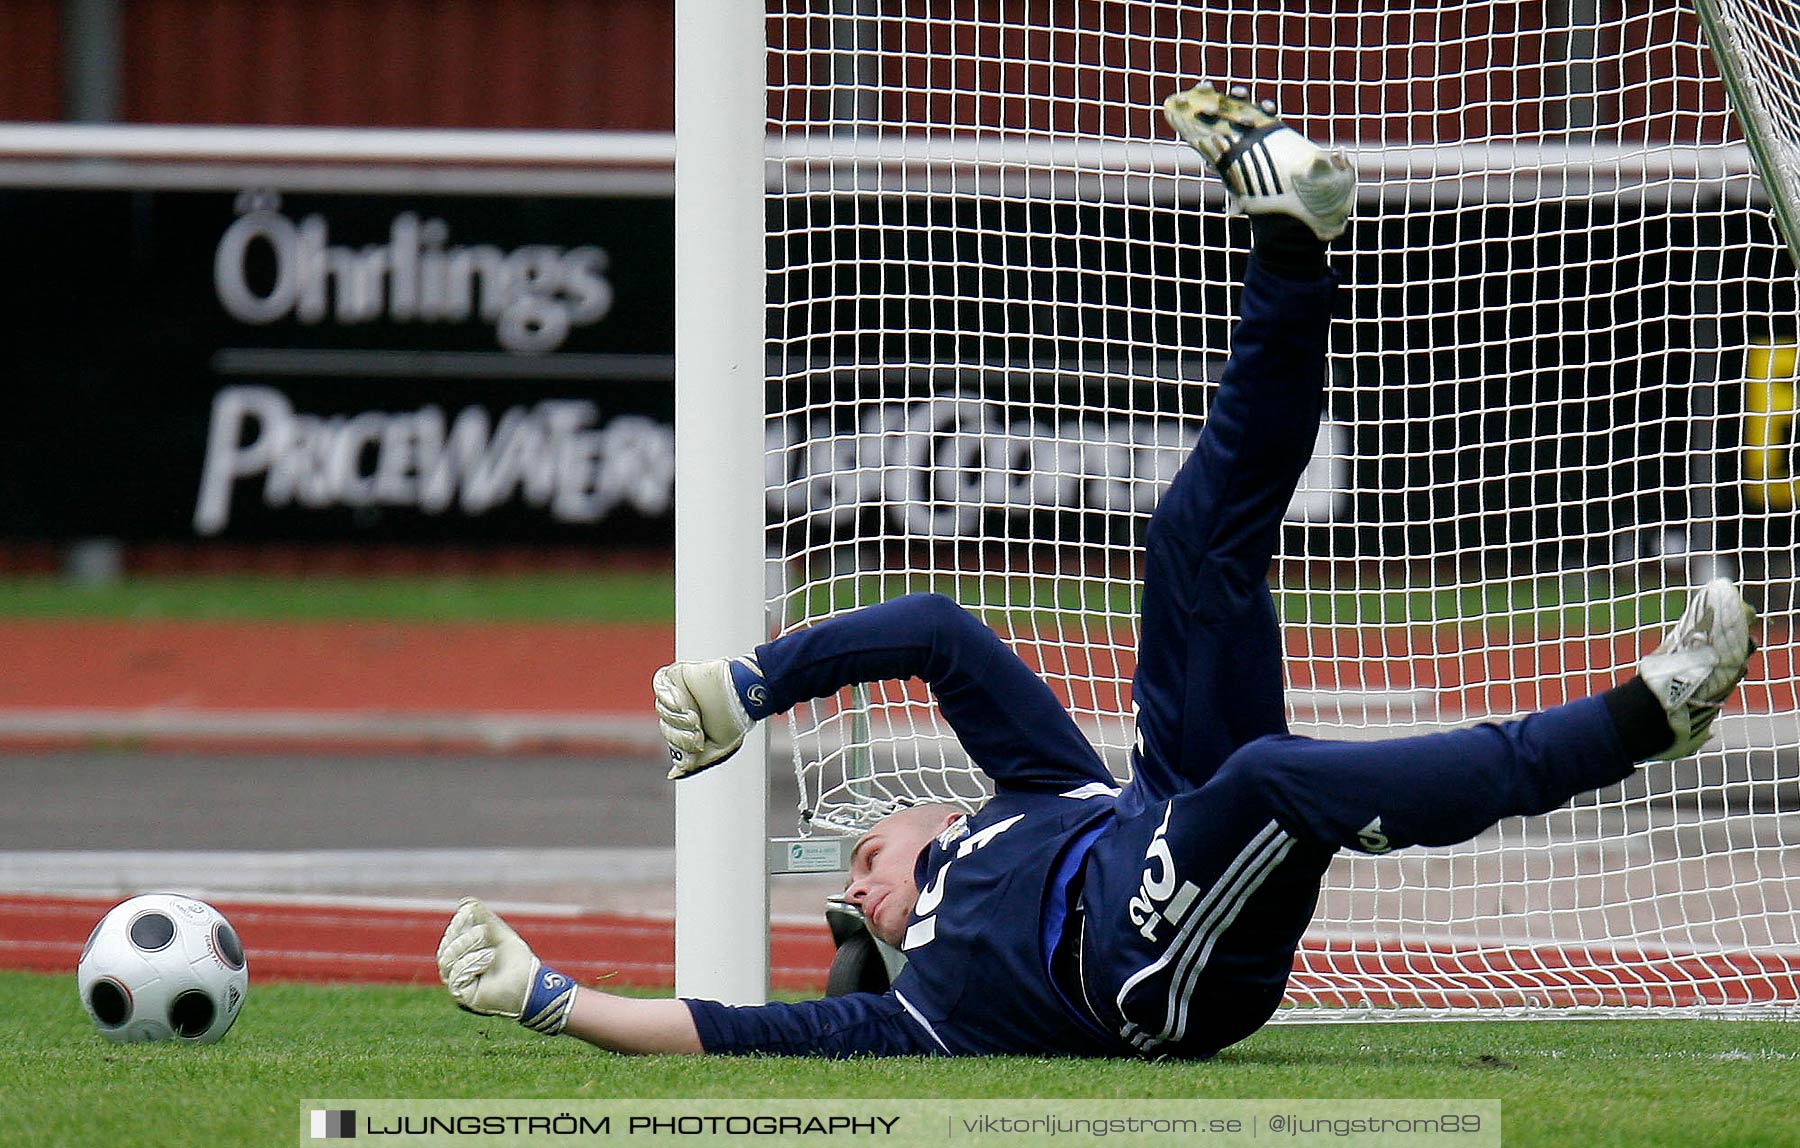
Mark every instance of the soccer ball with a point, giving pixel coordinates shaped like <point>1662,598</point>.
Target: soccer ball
<point>163,967</point>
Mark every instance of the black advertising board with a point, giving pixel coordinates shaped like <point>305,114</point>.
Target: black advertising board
<point>252,364</point>
<point>258,365</point>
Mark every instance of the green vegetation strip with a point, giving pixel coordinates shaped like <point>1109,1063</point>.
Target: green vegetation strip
<point>1580,1084</point>
<point>609,597</point>
<point>1558,605</point>
<point>1016,602</point>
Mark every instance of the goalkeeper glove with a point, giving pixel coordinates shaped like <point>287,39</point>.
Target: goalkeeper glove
<point>702,718</point>
<point>490,971</point>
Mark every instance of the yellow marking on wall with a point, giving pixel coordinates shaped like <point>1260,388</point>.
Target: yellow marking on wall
<point>1770,383</point>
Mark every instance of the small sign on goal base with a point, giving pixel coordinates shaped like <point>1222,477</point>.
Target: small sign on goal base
<point>810,854</point>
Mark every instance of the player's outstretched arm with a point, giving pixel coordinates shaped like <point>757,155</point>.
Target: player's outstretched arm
<point>491,971</point>
<point>633,1024</point>
<point>1008,720</point>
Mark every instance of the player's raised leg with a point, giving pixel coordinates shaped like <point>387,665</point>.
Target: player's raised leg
<point>1193,912</point>
<point>1440,789</point>
<point>1209,657</point>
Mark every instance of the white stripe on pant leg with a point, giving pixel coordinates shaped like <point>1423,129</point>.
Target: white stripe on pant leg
<point>923,1023</point>
<point>1237,906</point>
<point>1245,858</point>
<point>1197,949</point>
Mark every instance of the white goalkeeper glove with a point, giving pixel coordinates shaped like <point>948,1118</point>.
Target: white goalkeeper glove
<point>489,970</point>
<point>701,715</point>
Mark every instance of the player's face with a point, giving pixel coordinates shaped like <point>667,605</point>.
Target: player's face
<point>881,870</point>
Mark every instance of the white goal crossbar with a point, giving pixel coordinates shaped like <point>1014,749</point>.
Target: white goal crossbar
<point>223,143</point>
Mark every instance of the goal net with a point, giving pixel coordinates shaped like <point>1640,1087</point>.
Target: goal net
<point>1000,293</point>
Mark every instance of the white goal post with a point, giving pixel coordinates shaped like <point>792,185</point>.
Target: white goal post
<point>1756,44</point>
<point>721,882</point>
<point>996,293</point>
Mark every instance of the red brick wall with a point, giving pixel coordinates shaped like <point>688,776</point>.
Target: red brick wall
<point>30,62</point>
<point>1378,69</point>
<point>598,64</point>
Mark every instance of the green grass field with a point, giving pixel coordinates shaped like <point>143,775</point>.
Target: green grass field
<point>1583,1084</point>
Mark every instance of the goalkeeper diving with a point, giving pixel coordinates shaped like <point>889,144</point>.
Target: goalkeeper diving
<point>1067,915</point>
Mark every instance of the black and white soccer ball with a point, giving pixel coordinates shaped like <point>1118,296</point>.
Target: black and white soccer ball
<point>163,967</point>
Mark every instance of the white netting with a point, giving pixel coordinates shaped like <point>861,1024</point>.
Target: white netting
<point>998,291</point>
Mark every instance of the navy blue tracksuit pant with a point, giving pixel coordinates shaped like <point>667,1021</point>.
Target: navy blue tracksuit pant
<point>1196,898</point>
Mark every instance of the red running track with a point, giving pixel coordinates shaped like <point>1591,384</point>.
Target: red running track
<point>344,943</point>
<point>354,943</point>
